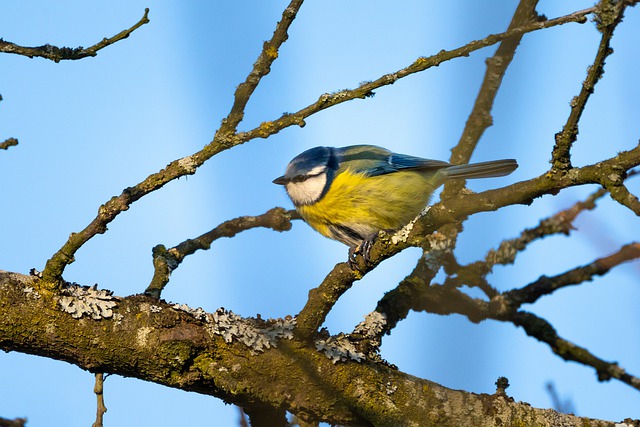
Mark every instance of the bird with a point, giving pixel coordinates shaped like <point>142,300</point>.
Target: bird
<point>351,193</point>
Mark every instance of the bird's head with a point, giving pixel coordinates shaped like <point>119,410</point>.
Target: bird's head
<point>309,175</point>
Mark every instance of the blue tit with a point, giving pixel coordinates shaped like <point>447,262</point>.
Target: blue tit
<point>351,193</point>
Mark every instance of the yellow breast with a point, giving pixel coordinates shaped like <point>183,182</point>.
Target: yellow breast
<point>366,205</point>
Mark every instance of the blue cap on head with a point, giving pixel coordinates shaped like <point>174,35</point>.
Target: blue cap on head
<point>312,162</point>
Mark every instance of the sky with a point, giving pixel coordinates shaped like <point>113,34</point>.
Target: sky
<point>89,128</point>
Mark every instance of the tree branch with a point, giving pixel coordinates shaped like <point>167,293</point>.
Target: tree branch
<point>165,261</point>
<point>55,266</point>
<point>439,299</point>
<point>480,118</point>
<point>560,223</point>
<point>17,422</point>
<point>418,233</point>
<point>58,54</point>
<point>415,293</point>
<point>101,409</point>
<point>367,89</point>
<point>546,285</point>
<point>261,68</point>
<point>614,183</point>
<point>322,299</point>
<point>196,351</point>
<point>561,157</point>
<point>543,331</point>
<point>9,142</point>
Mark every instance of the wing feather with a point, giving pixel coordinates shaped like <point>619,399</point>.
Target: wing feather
<point>374,160</point>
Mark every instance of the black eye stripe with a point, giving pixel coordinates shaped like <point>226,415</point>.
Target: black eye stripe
<point>301,178</point>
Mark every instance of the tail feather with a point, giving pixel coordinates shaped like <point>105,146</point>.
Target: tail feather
<point>490,169</point>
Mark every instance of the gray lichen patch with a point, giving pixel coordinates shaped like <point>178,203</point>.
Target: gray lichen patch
<point>342,347</point>
<point>257,334</point>
<point>91,301</point>
<point>30,292</point>
<point>339,348</point>
<point>372,325</point>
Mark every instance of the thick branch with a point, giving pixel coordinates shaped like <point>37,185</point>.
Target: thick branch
<point>322,299</point>
<point>58,54</point>
<point>194,351</point>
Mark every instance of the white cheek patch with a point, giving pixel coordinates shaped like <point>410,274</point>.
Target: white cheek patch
<point>317,170</point>
<point>307,191</point>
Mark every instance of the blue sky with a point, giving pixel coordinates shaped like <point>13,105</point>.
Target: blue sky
<point>88,129</point>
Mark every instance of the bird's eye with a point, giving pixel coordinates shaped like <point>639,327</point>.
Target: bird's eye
<point>312,174</point>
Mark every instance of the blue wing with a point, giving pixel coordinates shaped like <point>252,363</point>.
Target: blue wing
<point>374,160</point>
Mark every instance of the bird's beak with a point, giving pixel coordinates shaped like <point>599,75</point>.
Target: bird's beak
<point>281,180</point>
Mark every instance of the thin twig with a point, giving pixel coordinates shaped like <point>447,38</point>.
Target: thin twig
<point>261,68</point>
<point>546,285</point>
<point>367,89</point>
<point>543,331</point>
<point>16,422</point>
<point>561,157</point>
<point>98,389</point>
<point>560,405</point>
<point>165,261</point>
<point>446,300</point>
<point>223,140</point>
<point>474,274</point>
<point>626,198</point>
<point>480,117</point>
<point>58,54</point>
<point>9,142</point>
<point>613,180</point>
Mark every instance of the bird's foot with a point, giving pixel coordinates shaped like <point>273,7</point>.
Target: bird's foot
<point>363,249</point>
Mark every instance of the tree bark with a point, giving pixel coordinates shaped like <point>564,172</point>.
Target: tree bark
<point>138,336</point>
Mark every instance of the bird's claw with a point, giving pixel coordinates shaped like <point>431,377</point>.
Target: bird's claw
<point>363,249</point>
